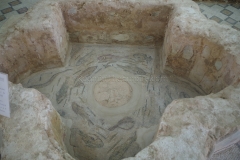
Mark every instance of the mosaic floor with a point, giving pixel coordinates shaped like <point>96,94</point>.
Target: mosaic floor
<point>228,148</point>
<point>222,13</point>
<point>9,8</point>
<point>110,97</point>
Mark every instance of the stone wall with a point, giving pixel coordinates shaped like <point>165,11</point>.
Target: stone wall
<point>116,21</point>
<point>189,127</point>
<point>39,41</point>
<point>35,129</point>
<point>199,52</point>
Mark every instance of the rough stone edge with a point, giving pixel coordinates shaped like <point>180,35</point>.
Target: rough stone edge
<point>49,131</point>
<point>189,128</point>
<point>38,41</point>
<point>188,22</point>
<point>170,141</point>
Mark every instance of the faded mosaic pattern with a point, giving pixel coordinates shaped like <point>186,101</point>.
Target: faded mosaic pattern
<point>90,135</point>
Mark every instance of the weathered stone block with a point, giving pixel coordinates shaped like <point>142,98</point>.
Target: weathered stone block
<point>35,129</point>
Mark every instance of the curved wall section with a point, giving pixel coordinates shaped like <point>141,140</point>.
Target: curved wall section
<point>202,51</point>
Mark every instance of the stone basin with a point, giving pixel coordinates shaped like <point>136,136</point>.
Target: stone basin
<point>118,79</point>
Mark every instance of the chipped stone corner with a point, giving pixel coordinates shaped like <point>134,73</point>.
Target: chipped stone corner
<point>35,121</point>
<point>199,123</point>
<point>38,41</point>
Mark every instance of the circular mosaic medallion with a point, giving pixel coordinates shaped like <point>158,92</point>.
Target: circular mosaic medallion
<point>112,92</point>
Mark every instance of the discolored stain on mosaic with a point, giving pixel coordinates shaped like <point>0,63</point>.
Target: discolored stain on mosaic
<point>183,95</point>
<point>118,152</point>
<point>140,57</point>
<point>126,123</point>
<point>84,74</point>
<point>62,113</point>
<point>49,81</point>
<point>84,59</point>
<point>112,92</point>
<point>79,110</point>
<point>133,69</point>
<point>90,135</point>
<point>111,58</point>
<point>90,140</point>
<point>62,93</point>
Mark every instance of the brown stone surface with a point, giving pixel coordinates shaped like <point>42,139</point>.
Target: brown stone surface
<point>35,129</point>
<point>38,41</point>
<point>214,60</point>
<point>115,21</point>
<point>190,127</point>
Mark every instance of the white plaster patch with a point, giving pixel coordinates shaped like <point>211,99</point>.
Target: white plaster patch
<point>187,52</point>
<point>218,65</point>
<point>176,48</point>
<point>120,37</point>
<point>72,11</point>
<point>206,52</point>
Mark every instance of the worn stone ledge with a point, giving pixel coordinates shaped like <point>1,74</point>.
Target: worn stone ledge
<point>38,41</point>
<point>35,129</point>
<point>195,50</point>
<point>124,22</point>
<point>189,127</point>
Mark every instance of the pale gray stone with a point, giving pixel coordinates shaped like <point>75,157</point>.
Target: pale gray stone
<point>218,65</point>
<point>121,37</point>
<point>188,52</point>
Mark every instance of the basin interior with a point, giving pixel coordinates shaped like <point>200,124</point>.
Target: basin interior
<point>113,96</point>
<point>110,97</point>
